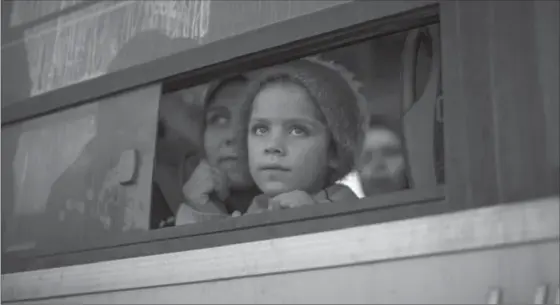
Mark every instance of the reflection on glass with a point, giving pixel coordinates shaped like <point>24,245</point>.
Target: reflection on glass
<point>68,171</point>
<point>43,155</point>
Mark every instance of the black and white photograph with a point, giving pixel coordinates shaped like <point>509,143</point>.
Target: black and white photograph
<point>280,151</point>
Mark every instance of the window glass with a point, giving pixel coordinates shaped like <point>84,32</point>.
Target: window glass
<point>352,122</point>
<point>79,175</point>
<point>361,120</point>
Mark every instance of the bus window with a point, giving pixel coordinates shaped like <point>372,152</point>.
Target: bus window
<point>79,175</point>
<point>205,165</point>
<point>358,121</point>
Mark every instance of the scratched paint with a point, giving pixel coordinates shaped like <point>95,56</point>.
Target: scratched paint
<point>178,19</point>
<point>28,11</point>
<point>79,46</point>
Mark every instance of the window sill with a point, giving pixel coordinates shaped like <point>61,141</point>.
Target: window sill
<point>385,201</point>
<point>509,224</point>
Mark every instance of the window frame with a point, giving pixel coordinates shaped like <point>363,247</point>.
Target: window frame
<point>527,224</point>
<point>268,45</point>
<point>294,38</point>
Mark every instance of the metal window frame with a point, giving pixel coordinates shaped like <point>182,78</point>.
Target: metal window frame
<point>530,224</point>
<point>333,27</point>
<point>279,42</point>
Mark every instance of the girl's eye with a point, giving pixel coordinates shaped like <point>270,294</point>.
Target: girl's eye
<point>298,131</point>
<point>259,130</point>
<point>217,120</point>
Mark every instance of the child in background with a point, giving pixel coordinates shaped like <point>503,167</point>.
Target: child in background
<point>383,164</point>
<point>304,124</point>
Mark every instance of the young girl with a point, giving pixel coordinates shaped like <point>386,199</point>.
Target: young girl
<point>304,123</point>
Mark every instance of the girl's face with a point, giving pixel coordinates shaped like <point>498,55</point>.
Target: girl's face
<point>222,117</point>
<point>288,144</point>
<point>382,164</point>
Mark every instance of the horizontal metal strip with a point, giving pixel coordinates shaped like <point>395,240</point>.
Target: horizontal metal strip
<point>507,224</point>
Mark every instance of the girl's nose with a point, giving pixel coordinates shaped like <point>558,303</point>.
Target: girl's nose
<point>230,137</point>
<point>275,146</point>
<point>378,161</point>
<point>274,150</point>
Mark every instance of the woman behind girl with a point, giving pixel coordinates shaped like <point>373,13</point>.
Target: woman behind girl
<point>218,183</point>
<point>304,124</point>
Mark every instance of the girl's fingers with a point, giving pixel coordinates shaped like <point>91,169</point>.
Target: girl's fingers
<point>273,204</point>
<point>204,163</point>
<point>278,204</point>
<point>221,185</point>
<point>204,198</point>
<point>200,184</point>
<point>291,200</point>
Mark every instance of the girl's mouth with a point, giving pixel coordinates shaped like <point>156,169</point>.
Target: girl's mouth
<point>274,168</point>
<point>228,159</point>
<point>228,163</point>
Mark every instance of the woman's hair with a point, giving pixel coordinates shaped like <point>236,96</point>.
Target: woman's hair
<point>215,86</point>
<point>332,95</point>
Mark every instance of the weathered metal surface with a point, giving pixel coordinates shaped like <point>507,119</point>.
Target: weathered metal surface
<point>27,11</point>
<point>62,176</point>
<point>79,46</point>
<point>453,258</point>
<point>547,35</point>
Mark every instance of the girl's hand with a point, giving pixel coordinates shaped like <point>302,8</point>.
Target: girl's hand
<point>291,199</point>
<point>203,181</point>
<point>260,204</point>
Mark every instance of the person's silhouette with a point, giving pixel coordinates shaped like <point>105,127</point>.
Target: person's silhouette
<point>91,178</point>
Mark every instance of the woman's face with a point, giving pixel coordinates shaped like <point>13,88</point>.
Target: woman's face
<point>221,143</point>
<point>382,165</point>
<point>287,142</point>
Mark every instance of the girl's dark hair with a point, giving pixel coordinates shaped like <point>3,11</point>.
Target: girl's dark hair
<point>215,86</point>
<point>161,129</point>
<point>332,95</point>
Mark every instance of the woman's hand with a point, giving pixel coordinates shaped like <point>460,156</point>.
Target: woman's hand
<point>291,199</point>
<point>203,181</point>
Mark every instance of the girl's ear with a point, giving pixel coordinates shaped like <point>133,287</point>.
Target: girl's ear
<point>333,162</point>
